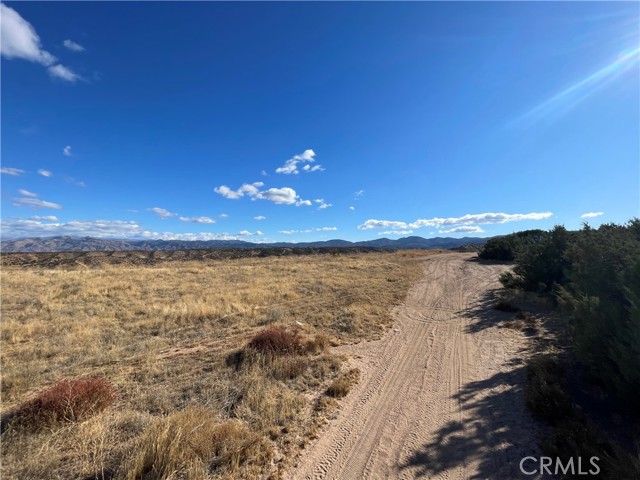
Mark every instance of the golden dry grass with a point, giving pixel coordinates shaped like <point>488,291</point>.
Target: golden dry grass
<point>162,335</point>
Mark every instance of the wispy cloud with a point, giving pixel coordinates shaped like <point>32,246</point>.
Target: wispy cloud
<point>223,215</point>
<point>282,196</point>
<point>20,40</point>
<point>63,73</point>
<point>308,230</point>
<point>259,217</point>
<point>306,157</point>
<point>463,229</point>
<point>67,151</point>
<point>50,218</point>
<point>591,214</point>
<point>247,233</point>
<point>26,193</point>
<point>162,213</point>
<point>11,171</point>
<point>197,219</point>
<point>75,181</point>
<point>35,203</point>
<point>396,232</point>
<point>124,229</point>
<point>322,204</point>
<point>315,168</point>
<point>36,227</point>
<point>358,194</point>
<point>469,219</point>
<point>352,209</point>
<point>44,173</point>
<point>73,46</point>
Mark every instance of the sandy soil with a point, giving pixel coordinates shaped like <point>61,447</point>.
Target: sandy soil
<point>441,395</point>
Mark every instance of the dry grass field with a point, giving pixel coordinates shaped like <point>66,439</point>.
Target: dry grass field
<point>193,395</point>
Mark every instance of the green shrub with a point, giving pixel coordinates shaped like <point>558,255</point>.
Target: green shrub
<point>545,394</point>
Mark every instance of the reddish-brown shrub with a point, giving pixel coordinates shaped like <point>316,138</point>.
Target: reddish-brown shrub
<point>67,400</point>
<point>276,340</point>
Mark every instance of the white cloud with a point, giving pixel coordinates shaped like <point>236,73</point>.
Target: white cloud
<point>205,236</point>
<point>352,209</point>
<point>37,227</point>
<point>282,196</point>
<point>11,171</point>
<point>197,219</point>
<point>35,203</point>
<point>67,151</point>
<point>44,173</point>
<point>259,217</point>
<point>250,189</point>
<point>396,232</point>
<point>469,219</point>
<point>247,233</point>
<point>20,40</point>
<point>322,204</point>
<point>291,165</point>
<point>369,224</point>
<point>73,46</point>
<point>591,214</point>
<point>308,230</point>
<point>463,229</point>
<point>63,73</point>
<point>315,168</point>
<point>223,215</point>
<point>50,218</point>
<point>303,203</point>
<point>95,228</point>
<point>358,194</point>
<point>27,193</point>
<point>162,213</point>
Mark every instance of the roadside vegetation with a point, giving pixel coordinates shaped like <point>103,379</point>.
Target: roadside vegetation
<point>186,369</point>
<point>593,277</point>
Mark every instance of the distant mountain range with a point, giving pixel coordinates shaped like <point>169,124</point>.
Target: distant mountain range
<point>91,244</point>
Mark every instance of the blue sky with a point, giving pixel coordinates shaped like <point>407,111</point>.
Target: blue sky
<point>310,121</point>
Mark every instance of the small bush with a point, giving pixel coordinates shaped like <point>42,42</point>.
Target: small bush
<point>190,444</point>
<point>288,368</point>
<point>341,385</point>
<point>67,401</point>
<point>318,345</point>
<point>545,393</point>
<point>276,340</point>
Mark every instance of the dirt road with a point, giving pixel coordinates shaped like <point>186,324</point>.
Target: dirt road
<point>440,396</point>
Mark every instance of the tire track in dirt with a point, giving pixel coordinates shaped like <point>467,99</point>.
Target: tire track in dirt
<point>422,407</point>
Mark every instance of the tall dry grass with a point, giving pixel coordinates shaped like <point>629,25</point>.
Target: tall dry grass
<point>162,335</point>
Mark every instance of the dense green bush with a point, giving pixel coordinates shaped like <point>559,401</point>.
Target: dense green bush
<point>506,247</point>
<point>595,275</point>
<point>541,265</point>
<point>602,295</point>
